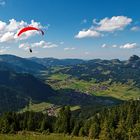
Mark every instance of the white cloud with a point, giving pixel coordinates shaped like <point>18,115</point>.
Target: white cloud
<point>135,28</point>
<point>36,24</point>
<point>125,46</point>
<point>87,33</point>
<point>95,21</point>
<point>8,36</point>
<point>104,46</point>
<point>2,2</point>
<point>2,25</point>
<point>25,46</point>
<point>44,44</point>
<point>107,46</point>
<point>129,46</point>
<point>9,30</point>
<point>41,44</point>
<point>69,49</point>
<point>114,46</point>
<point>113,24</point>
<point>51,46</point>
<point>15,25</point>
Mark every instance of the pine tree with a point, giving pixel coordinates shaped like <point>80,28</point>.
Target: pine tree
<point>30,122</point>
<point>94,131</point>
<point>63,120</point>
<point>43,125</point>
<point>136,132</point>
<point>120,132</point>
<point>105,132</point>
<point>81,132</point>
<point>76,129</point>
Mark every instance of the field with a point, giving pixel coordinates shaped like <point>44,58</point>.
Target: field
<point>121,91</point>
<point>42,107</point>
<point>38,137</point>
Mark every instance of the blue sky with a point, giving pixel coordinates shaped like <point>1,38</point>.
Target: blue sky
<point>85,29</point>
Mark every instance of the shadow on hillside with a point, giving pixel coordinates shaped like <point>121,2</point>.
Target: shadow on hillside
<point>73,98</point>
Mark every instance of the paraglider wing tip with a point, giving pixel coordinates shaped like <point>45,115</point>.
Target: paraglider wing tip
<point>18,34</point>
<point>42,32</point>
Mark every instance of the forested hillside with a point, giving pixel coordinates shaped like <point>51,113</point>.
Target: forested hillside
<point>19,64</point>
<point>18,89</point>
<point>105,70</point>
<point>114,123</point>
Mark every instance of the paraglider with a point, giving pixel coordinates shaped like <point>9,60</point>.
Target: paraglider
<point>29,28</point>
<point>30,50</point>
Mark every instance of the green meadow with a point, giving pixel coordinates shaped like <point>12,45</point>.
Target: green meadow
<point>121,91</point>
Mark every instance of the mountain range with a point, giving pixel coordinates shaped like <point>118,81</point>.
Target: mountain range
<point>66,81</point>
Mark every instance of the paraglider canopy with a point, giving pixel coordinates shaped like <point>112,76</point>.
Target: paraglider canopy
<point>29,28</point>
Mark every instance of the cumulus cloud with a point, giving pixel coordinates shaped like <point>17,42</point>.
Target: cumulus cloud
<point>41,44</point>
<point>129,46</point>
<point>44,44</point>
<point>8,31</point>
<point>113,24</point>
<point>87,33</point>
<point>69,49</point>
<point>15,25</point>
<point>8,36</point>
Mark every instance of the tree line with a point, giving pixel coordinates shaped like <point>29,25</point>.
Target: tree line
<point>113,123</point>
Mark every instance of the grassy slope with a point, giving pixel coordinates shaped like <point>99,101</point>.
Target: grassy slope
<point>37,107</point>
<point>43,106</point>
<point>121,91</point>
<point>38,137</point>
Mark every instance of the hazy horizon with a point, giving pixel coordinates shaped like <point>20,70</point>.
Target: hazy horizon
<point>70,58</point>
